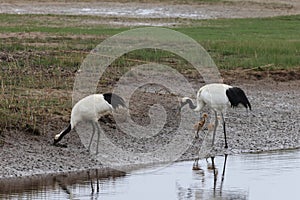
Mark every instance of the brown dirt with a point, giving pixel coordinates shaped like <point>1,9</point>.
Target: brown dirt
<point>252,75</point>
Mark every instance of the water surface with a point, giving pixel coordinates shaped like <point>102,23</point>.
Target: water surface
<point>273,175</point>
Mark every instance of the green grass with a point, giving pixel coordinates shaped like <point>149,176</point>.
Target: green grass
<point>245,43</point>
<point>249,43</point>
<point>39,56</point>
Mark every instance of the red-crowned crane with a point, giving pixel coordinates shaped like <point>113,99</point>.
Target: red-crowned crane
<point>218,97</point>
<point>90,109</point>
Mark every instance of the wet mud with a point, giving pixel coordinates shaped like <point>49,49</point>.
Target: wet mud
<point>272,124</point>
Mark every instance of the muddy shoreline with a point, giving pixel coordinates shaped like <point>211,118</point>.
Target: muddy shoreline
<point>168,13</point>
<point>273,124</point>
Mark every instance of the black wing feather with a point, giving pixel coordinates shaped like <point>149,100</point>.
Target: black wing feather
<point>114,100</point>
<point>236,96</point>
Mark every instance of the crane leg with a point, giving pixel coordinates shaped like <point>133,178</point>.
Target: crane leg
<point>224,167</point>
<point>196,164</point>
<point>197,133</point>
<point>223,173</point>
<point>92,136</point>
<point>226,146</point>
<point>215,172</point>
<point>98,138</point>
<point>215,128</point>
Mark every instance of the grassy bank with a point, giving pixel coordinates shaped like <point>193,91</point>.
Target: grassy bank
<point>249,43</point>
<point>39,56</point>
<point>232,43</point>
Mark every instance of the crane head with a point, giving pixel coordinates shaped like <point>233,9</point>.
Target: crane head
<point>183,102</point>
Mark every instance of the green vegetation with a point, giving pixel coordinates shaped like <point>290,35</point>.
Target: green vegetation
<point>249,43</point>
<point>39,56</point>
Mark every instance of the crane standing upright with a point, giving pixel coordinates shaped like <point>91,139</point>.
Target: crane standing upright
<point>218,97</point>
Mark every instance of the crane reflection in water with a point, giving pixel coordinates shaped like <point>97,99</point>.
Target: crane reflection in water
<point>208,182</point>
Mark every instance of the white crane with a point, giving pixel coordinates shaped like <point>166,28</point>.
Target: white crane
<point>90,109</point>
<point>218,97</point>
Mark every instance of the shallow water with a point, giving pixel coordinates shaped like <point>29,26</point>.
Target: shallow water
<point>273,175</point>
<point>111,9</point>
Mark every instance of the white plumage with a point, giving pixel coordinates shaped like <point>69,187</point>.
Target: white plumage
<point>90,109</point>
<point>218,97</point>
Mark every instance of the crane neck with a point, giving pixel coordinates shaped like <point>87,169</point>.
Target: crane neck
<point>191,104</point>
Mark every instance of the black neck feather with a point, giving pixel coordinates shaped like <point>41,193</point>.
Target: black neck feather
<point>63,133</point>
<point>191,104</point>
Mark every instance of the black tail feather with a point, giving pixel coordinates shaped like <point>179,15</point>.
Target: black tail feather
<point>114,100</point>
<point>236,96</point>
